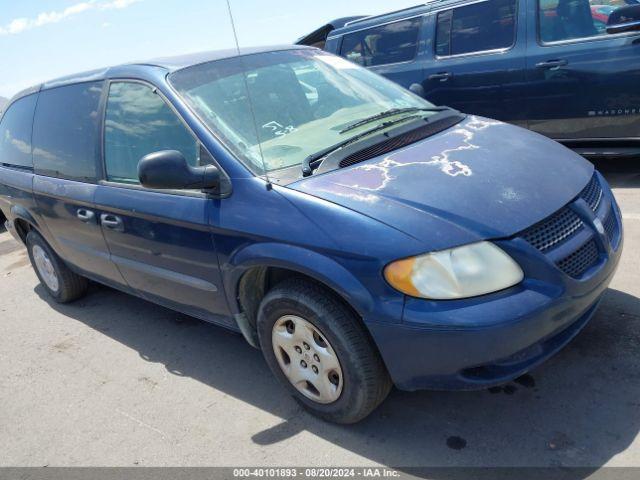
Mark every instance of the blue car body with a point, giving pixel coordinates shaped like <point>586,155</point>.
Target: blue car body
<point>581,92</point>
<point>478,180</point>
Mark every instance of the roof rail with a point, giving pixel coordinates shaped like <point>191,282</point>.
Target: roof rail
<point>364,19</point>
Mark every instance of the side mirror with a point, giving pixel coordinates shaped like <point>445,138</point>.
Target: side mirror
<point>624,19</point>
<point>169,170</point>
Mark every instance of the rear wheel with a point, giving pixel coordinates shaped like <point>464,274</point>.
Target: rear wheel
<point>321,352</point>
<point>60,282</point>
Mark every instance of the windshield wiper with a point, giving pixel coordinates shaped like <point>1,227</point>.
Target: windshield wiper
<point>313,161</point>
<point>389,113</point>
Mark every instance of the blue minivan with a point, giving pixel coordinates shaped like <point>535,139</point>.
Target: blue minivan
<point>568,69</point>
<point>358,235</point>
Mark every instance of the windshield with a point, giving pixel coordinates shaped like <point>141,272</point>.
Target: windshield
<point>302,101</point>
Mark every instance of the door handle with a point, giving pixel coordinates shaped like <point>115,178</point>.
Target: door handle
<point>552,64</point>
<point>86,216</point>
<point>112,222</point>
<point>441,76</point>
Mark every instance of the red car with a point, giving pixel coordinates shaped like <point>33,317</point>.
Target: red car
<point>600,14</point>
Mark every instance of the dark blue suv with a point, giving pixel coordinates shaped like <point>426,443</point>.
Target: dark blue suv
<point>568,69</point>
<point>358,235</point>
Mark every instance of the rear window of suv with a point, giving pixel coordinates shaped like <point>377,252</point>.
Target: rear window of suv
<point>561,20</point>
<point>392,43</point>
<point>479,27</point>
<point>15,133</point>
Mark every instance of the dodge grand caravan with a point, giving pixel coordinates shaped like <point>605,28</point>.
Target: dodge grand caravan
<point>568,69</point>
<point>358,235</point>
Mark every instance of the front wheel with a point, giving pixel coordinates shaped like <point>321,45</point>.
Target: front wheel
<point>321,352</point>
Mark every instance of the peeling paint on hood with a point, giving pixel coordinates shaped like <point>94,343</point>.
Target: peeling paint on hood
<point>483,176</point>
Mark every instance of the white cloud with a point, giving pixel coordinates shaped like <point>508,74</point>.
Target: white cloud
<point>20,25</point>
<point>118,4</point>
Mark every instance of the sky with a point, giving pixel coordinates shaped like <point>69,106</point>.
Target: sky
<point>44,39</point>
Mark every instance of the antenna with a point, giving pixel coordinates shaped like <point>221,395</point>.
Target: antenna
<point>246,86</point>
<point>233,27</point>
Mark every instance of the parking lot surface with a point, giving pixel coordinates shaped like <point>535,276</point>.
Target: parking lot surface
<point>113,380</point>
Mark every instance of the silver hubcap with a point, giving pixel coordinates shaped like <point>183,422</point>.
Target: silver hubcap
<point>307,359</point>
<point>45,267</point>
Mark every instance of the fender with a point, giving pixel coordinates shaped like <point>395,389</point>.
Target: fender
<point>18,212</point>
<point>319,267</point>
<point>22,213</point>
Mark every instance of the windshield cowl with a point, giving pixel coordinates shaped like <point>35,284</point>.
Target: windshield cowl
<point>389,141</point>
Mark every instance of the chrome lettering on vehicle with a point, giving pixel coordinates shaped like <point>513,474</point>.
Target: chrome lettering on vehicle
<point>614,112</point>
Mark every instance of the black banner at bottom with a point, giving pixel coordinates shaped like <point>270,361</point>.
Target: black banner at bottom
<point>320,473</point>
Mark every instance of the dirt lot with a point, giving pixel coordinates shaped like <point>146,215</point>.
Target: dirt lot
<point>114,380</point>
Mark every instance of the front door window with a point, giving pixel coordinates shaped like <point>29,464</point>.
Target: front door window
<point>139,122</point>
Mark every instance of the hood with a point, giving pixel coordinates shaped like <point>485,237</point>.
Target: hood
<point>481,179</point>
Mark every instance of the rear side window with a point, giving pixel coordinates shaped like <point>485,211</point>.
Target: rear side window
<point>139,122</point>
<point>479,27</point>
<point>15,133</point>
<point>571,19</point>
<point>66,132</point>
<point>392,43</point>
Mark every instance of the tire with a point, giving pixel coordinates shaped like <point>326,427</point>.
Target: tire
<point>298,308</point>
<point>59,281</point>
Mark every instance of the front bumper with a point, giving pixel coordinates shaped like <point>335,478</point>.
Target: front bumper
<point>477,343</point>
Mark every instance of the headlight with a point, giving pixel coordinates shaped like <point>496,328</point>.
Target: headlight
<point>462,272</point>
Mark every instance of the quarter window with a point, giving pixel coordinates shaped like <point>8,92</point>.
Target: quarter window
<point>391,43</point>
<point>138,122</point>
<point>480,27</point>
<point>66,131</point>
<point>15,133</point>
<point>570,19</point>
